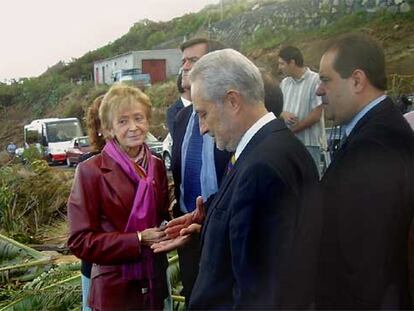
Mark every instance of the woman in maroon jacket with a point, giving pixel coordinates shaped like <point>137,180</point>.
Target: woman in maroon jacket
<point>118,201</point>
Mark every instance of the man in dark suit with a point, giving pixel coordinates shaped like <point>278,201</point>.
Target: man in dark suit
<point>180,103</point>
<point>197,165</point>
<point>257,224</point>
<point>368,196</point>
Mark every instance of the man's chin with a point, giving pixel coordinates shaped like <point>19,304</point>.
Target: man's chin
<point>327,112</point>
<point>227,148</point>
<point>220,146</point>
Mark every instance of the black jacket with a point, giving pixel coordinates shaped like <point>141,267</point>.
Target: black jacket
<point>368,202</point>
<point>260,235</point>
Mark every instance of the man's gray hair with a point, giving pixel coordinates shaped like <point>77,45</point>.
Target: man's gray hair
<point>228,69</point>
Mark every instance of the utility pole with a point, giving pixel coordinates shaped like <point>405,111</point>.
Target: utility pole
<point>221,9</point>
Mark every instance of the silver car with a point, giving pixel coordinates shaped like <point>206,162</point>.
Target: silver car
<point>166,151</point>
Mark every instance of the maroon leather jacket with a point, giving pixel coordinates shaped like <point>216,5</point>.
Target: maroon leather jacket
<point>98,210</point>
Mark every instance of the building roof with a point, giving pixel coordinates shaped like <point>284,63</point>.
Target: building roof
<point>134,52</point>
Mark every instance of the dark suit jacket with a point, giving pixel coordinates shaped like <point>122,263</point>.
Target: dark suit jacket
<point>221,158</point>
<point>98,210</point>
<point>172,111</point>
<point>189,256</point>
<point>255,228</point>
<point>368,193</point>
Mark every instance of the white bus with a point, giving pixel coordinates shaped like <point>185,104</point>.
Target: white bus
<point>52,136</point>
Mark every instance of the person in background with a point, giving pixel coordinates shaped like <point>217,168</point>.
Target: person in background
<point>93,125</point>
<point>97,141</point>
<point>409,116</point>
<point>403,104</point>
<point>273,94</point>
<point>118,200</point>
<point>11,148</point>
<point>197,165</point>
<point>183,101</point>
<point>259,237</point>
<point>367,191</point>
<point>302,108</point>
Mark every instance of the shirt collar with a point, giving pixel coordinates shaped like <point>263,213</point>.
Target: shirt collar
<point>350,126</point>
<point>186,102</point>
<point>248,135</point>
<point>306,72</point>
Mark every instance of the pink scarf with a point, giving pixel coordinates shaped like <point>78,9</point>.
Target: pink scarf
<point>143,212</point>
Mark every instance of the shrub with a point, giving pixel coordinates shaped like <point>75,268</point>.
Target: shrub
<point>162,95</point>
<point>32,154</point>
<point>31,196</point>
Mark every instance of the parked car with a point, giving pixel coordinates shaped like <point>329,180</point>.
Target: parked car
<point>132,76</point>
<point>77,147</point>
<point>154,144</point>
<point>166,151</point>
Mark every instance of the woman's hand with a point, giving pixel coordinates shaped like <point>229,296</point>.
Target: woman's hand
<point>152,235</point>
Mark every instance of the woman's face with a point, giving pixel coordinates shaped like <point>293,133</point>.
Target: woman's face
<point>130,126</point>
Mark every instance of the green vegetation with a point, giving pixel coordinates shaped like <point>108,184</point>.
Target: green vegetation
<point>30,281</point>
<point>58,287</point>
<point>267,38</point>
<point>173,278</point>
<point>31,154</point>
<point>31,196</point>
<point>162,95</point>
<point>57,85</point>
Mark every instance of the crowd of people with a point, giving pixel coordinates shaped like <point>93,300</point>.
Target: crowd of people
<point>257,223</point>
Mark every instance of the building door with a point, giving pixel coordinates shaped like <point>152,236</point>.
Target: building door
<point>97,76</point>
<point>103,75</point>
<point>155,68</point>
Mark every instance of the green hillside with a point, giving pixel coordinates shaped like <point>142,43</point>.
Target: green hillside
<point>55,92</point>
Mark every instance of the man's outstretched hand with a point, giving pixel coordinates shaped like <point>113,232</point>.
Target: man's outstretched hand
<point>179,230</point>
<point>175,226</point>
<point>179,241</point>
<point>169,245</point>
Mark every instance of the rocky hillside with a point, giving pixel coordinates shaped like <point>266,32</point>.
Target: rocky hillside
<point>258,29</point>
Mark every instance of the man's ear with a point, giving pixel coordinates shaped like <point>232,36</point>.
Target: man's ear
<point>359,80</point>
<point>233,99</point>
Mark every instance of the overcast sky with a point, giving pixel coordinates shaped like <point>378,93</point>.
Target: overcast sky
<point>36,34</point>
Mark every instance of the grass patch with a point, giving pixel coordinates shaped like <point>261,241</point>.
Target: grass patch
<point>31,196</point>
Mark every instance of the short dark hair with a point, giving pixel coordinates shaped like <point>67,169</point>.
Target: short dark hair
<point>273,99</point>
<point>289,53</point>
<point>212,45</point>
<point>360,51</point>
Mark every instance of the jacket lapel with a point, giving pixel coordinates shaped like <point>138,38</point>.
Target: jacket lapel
<point>273,126</point>
<point>382,107</point>
<point>181,124</point>
<point>121,185</point>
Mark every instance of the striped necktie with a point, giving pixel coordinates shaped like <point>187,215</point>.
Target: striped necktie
<point>192,186</point>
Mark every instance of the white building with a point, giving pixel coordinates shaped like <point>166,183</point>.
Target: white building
<point>159,64</point>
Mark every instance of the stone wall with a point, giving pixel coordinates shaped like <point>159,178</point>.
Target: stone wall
<point>298,14</point>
